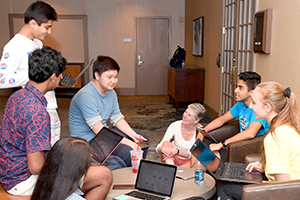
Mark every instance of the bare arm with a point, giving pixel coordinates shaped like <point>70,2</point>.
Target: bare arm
<point>125,128</point>
<point>35,162</point>
<point>218,122</point>
<point>97,127</point>
<point>249,133</point>
<point>282,177</point>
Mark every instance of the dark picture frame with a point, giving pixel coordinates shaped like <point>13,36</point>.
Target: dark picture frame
<point>198,26</point>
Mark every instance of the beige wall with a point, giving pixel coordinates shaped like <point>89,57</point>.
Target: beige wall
<point>109,21</point>
<point>282,64</point>
<point>212,12</point>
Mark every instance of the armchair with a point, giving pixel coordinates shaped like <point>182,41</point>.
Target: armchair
<point>237,151</point>
<point>276,190</point>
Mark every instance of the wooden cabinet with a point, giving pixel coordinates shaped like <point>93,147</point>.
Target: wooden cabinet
<point>185,84</point>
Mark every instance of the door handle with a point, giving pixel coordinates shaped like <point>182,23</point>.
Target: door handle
<point>139,60</point>
<point>232,74</point>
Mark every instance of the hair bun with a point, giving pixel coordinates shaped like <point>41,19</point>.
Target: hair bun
<point>287,92</point>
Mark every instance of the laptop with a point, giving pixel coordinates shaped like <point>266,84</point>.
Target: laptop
<point>226,171</point>
<point>104,144</point>
<point>185,173</point>
<point>201,130</point>
<point>68,81</point>
<point>154,179</point>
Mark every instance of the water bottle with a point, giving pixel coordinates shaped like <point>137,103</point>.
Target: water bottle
<point>199,173</point>
<point>182,64</point>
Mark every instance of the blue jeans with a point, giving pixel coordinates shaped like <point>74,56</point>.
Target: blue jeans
<point>114,162</point>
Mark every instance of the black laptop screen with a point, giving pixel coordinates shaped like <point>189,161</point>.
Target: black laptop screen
<point>104,143</point>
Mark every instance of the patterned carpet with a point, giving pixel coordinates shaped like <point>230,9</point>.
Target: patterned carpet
<point>150,114</point>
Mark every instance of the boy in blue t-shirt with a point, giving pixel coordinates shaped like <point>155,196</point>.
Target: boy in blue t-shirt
<point>250,127</point>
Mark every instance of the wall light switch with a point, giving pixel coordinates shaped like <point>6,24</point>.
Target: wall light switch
<point>127,40</point>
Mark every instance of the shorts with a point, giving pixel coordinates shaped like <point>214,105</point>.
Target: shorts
<point>55,125</point>
<point>24,188</point>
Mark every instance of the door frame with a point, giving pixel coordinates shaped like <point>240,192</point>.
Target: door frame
<point>238,62</point>
<point>135,44</point>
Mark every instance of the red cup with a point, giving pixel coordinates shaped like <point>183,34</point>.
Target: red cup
<point>136,157</point>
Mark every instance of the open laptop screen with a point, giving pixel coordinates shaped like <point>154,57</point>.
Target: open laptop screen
<point>157,178</point>
<point>104,143</point>
<point>203,154</point>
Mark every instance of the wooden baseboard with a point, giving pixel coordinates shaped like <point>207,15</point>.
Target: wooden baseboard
<point>66,92</point>
<point>210,111</point>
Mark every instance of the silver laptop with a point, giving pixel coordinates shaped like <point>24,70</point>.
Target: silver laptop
<point>104,144</point>
<point>226,171</point>
<point>154,180</point>
<point>185,173</point>
<point>68,81</point>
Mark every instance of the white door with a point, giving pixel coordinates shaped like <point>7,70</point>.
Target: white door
<point>236,54</point>
<point>152,55</point>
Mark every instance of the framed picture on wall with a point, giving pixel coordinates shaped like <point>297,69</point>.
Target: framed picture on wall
<point>198,36</point>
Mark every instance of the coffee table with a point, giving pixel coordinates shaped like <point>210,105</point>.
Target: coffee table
<point>182,189</point>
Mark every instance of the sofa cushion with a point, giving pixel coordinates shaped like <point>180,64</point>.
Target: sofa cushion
<point>250,158</point>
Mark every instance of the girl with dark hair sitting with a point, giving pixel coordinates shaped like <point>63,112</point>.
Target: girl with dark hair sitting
<point>63,171</point>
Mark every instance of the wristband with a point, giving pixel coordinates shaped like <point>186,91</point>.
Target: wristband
<point>223,143</point>
<point>177,152</point>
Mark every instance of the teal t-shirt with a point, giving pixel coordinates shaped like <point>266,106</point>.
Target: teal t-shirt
<point>246,116</point>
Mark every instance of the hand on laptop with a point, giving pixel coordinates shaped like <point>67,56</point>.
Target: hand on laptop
<point>254,166</point>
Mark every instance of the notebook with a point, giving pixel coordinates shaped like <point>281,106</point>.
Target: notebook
<point>226,171</point>
<point>68,81</point>
<point>155,179</point>
<point>185,173</point>
<point>200,129</point>
<point>104,144</point>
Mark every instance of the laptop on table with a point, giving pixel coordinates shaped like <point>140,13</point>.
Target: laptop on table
<point>68,81</point>
<point>185,173</point>
<point>226,171</point>
<point>104,144</point>
<point>154,179</point>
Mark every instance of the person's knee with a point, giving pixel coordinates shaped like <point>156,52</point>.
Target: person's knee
<point>98,176</point>
<point>167,144</point>
<point>108,176</point>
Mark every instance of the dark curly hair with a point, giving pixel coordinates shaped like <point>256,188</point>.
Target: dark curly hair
<point>45,62</point>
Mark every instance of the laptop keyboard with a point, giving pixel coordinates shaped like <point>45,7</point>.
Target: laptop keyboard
<point>67,80</point>
<point>235,170</point>
<point>142,195</point>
